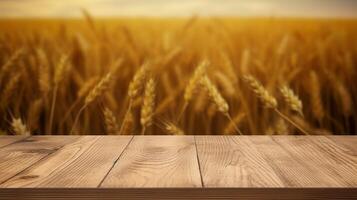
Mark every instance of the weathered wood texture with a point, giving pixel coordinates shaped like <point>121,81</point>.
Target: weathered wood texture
<point>157,161</point>
<point>178,167</point>
<point>6,140</point>
<point>83,163</point>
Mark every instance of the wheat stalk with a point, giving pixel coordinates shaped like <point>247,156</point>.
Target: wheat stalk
<point>110,121</point>
<point>286,118</point>
<point>292,99</point>
<point>97,91</point>
<point>127,127</point>
<point>231,127</point>
<point>34,113</point>
<point>83,91</point>
<point>44,74</point>
<point>19,127</point>
<point>147,110</point>
<point>59,76</point>
<point>317,106</point>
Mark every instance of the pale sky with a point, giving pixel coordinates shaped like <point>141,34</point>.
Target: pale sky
<point>178,8</point>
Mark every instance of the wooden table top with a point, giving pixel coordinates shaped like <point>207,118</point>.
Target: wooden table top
<point>232,163</point>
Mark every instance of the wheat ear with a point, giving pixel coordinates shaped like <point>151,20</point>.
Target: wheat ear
<point>13,58</point>
<point>266,98</point>
<point>147,109</point>
<point>19,127</point>
<point>172,129</point>
<point>110,121</point>
<point>318,109</point>
<point>218,99</point>
<point>193,84</point>
<point>97,91</point>
<point>135,87</point>
<point>292,99</point>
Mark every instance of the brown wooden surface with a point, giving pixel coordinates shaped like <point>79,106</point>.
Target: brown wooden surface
<point>82,163</point>
<point>157,161</point>
<point>178,167</point>
<point>232,161</point>
<point>19,156</point>
<point>6,140</point>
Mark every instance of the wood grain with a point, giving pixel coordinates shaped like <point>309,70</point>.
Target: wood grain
<point>292,171</point>
<point>233,161</point>
<point>157,161</point>
<point>6,140</point>
<point>170,167</point>
<point>17,157</point>
<point>320,154</point>
<point>341,159</point>
<point>348,142</point>
<point>83,163</point>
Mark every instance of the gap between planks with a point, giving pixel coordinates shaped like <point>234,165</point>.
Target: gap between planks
<point>81,163</point>
<point>115,162</point>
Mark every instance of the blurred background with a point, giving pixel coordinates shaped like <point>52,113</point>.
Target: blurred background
<point>178,8</point>
<point>178,67</point>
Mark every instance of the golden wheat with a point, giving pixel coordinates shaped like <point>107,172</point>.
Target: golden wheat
<point>137,83</point>
<point>291,99</point>
<point>172,129</point>
<point>315,93</point>
<point>110,121</point>
<point>128,125</point>
<point>266,98</point>
<point>19,128</point>
<point>147,109</point>
<point>214,95</point>
<point>99,89</point>
<point>317,63</point>
<point>194,81</point>
<point>9,89</point>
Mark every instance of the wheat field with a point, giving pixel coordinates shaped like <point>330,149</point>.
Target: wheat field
<point>178,76</point>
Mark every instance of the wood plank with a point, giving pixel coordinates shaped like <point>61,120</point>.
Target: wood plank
<point>323,155</point>
<point>288,167</point>
<point>17,157</point>
<point>6,140</point>
<point>156,161</point>
<point>179,193</point>
<point>83,163</point>
<point>349,142</point>
<point>233,161</point>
